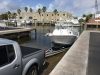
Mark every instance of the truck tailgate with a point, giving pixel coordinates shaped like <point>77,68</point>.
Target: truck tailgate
<point>27,50</point>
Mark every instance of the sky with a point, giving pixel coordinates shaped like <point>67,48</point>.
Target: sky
<point>76,7</point>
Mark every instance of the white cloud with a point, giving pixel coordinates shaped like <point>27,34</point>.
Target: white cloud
<point>51,7</point>
<point>61,3</point>
<point>77,7</point>
<point>8,5</point>
<point>57,4</point>
<point>85,6</point>
<point>38,6</point>
<point>3,4</point>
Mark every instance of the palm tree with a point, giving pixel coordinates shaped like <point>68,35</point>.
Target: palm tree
<point>84,15</point>
<point>4,16</point>
<point>18,11</point>
<point>55,12</point>
<point>89,16</point>
<point>26,9</point>
<point>31,10</point>
<point>44,9</point>
<point>81,21</point>
<point>39,11</point>
<point>9,14</point>
<point>14,15</point>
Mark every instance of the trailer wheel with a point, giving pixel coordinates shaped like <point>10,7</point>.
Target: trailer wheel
<point>33,71</point>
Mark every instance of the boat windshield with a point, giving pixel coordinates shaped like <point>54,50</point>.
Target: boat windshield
<point>63,25</point>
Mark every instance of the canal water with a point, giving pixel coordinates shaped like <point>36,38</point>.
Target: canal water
<point>42,41</point>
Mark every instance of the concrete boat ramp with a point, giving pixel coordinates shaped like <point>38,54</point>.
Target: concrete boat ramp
<point>83,58</point>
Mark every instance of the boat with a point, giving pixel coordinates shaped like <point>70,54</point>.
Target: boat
<point>63,33</point>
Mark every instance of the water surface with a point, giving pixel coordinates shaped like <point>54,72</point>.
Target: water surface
<point>42,41</point>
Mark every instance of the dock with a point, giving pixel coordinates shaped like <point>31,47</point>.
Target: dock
<point>15,31</point>
<point>83,58</point>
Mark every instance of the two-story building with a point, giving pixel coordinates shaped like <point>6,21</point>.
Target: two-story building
<point>46,17</point>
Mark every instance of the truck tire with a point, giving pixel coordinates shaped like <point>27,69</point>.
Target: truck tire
<point>32,71</point>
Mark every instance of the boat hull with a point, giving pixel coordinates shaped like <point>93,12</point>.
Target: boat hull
<point>64,40</point>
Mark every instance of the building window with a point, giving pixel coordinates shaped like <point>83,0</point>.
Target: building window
<point>63,14</point>
<point>52,14</point>
<point>58,14</point>
<point>42,14</point>
<point>20,17</point>
<point>57,19</point>
<point>47,14</point>
<point>30,17</point>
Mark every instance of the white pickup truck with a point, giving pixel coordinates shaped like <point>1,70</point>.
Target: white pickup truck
<point>19,60</point>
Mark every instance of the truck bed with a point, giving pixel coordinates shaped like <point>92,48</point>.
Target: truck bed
<point>28,50</point>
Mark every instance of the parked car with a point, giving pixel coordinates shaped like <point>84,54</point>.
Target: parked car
<point>19,60</point>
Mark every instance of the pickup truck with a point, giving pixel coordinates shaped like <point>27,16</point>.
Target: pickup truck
<point>19,60</point>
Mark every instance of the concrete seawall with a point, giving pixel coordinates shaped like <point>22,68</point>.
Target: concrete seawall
<point>82,58</point>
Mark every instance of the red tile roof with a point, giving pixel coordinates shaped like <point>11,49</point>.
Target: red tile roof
<point>94,21</point>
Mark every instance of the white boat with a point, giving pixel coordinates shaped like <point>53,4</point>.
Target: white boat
<point>63,33</point>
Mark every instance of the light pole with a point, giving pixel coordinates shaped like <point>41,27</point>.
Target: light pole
<point>97,23</point>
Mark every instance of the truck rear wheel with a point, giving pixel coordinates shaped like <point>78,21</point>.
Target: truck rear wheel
<point>33,71</point>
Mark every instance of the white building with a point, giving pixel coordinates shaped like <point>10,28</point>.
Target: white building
<point>97,15</point>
